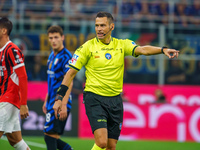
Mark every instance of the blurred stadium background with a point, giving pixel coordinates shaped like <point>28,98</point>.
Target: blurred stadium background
<point>149,123</point>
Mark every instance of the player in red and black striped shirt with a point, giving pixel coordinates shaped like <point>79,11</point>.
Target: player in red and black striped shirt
<point>13,88</point>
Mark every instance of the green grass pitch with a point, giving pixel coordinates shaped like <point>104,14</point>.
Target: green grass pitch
<point>37,143</point>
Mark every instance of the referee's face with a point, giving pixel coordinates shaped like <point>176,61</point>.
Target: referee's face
<point>56,41</point>
<point>102,28</point>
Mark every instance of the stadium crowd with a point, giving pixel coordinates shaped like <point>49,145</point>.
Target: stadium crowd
<point>39,15</point>
<point>182,13</point>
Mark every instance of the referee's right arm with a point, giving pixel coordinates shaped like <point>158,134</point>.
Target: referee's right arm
<point>68,78</point>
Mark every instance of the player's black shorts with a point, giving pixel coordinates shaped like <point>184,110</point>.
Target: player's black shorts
<point>104,112</point>
<point>53,125</point>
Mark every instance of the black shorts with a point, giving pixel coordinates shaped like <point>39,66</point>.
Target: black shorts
<point>104,112</point>
<point>53,125</point>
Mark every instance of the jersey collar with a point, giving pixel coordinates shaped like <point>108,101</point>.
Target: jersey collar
<point>102,42</point>
<point>1,49</point>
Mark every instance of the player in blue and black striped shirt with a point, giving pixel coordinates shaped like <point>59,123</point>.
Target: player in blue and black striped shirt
<point>57,67</point>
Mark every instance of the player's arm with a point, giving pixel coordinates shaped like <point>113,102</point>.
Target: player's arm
<point>63,112</point>
<point>71,73</point>
<point>44,109</point>
<point>153,50</point>
<point>23,86</point>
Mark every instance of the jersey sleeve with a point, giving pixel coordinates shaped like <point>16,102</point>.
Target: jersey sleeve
<point>16,58</point>
<point>80,57</point>
<point>129,48</point>
<point>65,66</point>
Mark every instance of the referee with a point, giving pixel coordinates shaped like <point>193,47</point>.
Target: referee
<point>103,58</point>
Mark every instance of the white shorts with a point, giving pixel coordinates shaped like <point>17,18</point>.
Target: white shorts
<point>9,118</point>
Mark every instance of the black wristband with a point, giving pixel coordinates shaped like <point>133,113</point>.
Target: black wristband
<point>162,49</point>
<point>62,90</point>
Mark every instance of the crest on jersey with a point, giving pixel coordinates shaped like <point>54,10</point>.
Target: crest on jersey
<point>108,56</point>
<point>56,61</point>
<point>133,43</point>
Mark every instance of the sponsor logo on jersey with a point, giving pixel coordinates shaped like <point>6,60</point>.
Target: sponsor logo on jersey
<point>17,61</point>
<point>17,56</point>
<point>96,56</point>
<point>101,120</point>
<point>108,56</point>
<point>46,127</point>
<point>74,59</point>
<point>107,49</point>
<point>79,48</point>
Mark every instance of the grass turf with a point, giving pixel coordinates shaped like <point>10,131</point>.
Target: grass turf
<point>37,143</point>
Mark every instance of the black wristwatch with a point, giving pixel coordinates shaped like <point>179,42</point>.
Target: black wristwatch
<point>163,48</point>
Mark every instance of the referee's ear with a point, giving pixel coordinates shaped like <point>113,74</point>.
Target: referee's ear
<point>112,26</point>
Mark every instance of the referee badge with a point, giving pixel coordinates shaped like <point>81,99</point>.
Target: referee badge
<point>108,56</point>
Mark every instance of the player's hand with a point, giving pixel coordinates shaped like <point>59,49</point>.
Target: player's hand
<point>63,112</point>
<point>171,53</point>
<point>57,107</point>
<point>24,111</point>
<point>44,109</point>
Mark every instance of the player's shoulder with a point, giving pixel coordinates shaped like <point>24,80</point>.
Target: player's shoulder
<point>51,54</point>
<point>86,45</point>
<point>123,41</point>
<point>65,53</point>
<point>120,40</point>
<point>12,45</point>
<point>91,41</point>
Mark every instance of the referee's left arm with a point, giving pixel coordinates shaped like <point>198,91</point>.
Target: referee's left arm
<point>153,50</point>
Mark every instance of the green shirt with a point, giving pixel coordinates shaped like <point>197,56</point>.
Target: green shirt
<point>104,64</point>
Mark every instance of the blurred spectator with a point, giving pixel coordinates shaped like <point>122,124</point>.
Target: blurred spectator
<point>195,13</point>
<point>137,8</point>
<point>87,13</point>
<point>126,11</point>
<point>159,96</point>
<point>57,12</point>
<point>37,72</point>
<point>111,6</point>
<point>74,12</point>
<point>163,12</point>
<point>176,74</point>
<point>6,8</point>
<point>182,11</point>
<point>153,8</point>
<point>36,11</point>
<point>148,15</point>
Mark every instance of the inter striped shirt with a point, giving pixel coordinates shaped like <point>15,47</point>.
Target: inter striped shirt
<point>57,67</point>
